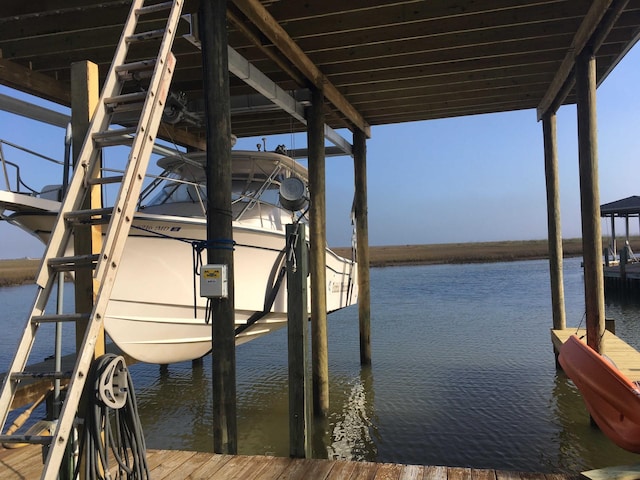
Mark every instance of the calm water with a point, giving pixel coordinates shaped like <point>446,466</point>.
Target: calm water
<point>463,375</point>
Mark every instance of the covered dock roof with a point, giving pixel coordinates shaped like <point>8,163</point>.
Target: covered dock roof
<point>621,208</point>
<point>377,61</point>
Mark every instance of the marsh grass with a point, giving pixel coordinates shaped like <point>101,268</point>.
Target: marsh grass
<point>17,272</point>
<point>383,256</point>
<point>21,271</point>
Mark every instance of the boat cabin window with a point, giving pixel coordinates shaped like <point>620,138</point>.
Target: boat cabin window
<point>174,192</point>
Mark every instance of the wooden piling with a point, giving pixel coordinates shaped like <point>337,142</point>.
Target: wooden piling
<point>553,219</point>
<point>298,337</point>
<point>85,95</point>
<point>317,243</point>
<point>590,198</point>
<point>362,236</point>
<point>213,30</point>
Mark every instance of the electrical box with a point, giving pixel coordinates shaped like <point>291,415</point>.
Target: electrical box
<point>213,281</point>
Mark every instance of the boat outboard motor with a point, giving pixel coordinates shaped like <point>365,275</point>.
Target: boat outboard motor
<point>293,194</point>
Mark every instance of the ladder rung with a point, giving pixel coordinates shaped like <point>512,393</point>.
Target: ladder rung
<point>126,98</point>
<point>105,180</point>
<point>127,108</point>
<point>142,36</point>
<point>32,439</point>
<point>121,136</point>
<point>135,75</point>
<point>138,70</point>
<point>68,264</point>
<point>95,216</point>
<point>136,66</point>
<point>69,317</point>
<point>154,8</point>
<point>41,375</point>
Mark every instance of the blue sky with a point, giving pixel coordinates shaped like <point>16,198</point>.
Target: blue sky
<point>468,179</point>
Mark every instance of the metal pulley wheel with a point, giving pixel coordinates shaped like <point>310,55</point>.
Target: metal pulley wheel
<point>112,387</point>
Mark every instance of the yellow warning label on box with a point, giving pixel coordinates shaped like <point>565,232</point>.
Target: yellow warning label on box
<point>212,273</point>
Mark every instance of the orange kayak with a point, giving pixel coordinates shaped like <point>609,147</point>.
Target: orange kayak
<point>611,398</point>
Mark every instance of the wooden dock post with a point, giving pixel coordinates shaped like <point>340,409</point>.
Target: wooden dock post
<point>297,330</point>
<point>317,243</point>
<point>590,198</point>
<point>553,219</point>
<point>213,30</point>
<point>85,94</point>
<point>362,234</point>
<point>87,240</point>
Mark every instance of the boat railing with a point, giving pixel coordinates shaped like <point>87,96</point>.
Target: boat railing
<point>247,201</point>
<point>11,171</point>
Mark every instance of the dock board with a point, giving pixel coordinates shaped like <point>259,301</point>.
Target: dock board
<point>632,271</point>
<point>177,465</point>
<point>625,357</point>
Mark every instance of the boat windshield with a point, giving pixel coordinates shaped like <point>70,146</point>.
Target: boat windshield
<point>181,190</point>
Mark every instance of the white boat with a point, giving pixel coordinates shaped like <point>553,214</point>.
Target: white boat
<point>155,313</point>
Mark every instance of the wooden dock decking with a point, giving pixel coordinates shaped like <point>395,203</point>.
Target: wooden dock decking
<point>178,465</point>
<point>625,357</point>
<point>26,463</point>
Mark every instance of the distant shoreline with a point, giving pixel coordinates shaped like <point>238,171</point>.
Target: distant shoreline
<point>23,271</point>
<point>477,252</point>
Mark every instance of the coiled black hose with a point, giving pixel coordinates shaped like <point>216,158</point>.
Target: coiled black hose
<point>119,429</point>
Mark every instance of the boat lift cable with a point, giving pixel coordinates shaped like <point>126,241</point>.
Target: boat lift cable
<point>112,393</point>
<point>270,295</point>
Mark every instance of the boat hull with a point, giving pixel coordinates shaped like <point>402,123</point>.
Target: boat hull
<point>155,312</point>
<point>611,398</point>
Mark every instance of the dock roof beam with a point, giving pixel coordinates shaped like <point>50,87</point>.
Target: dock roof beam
<point>260,17</point>
<point>252,76</point>
<point>592,31</point>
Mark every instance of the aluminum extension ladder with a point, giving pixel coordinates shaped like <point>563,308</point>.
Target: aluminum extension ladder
<point>149,105</point>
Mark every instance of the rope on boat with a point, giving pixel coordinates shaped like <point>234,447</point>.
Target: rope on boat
<point>287,253</point>
<point>270,296</point>
<point>122,433</point>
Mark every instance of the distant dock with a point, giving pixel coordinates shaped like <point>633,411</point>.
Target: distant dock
<point>177,465</point>
<point>622,277</point>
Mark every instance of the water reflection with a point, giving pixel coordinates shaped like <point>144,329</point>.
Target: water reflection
<point>353,424</point>
<point>175,409</point>
<point>176,412</point>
